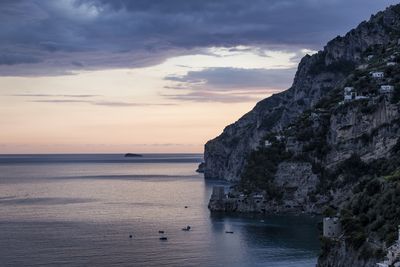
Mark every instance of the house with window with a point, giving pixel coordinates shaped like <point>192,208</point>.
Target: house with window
<point>386,89</point>
<point>349,93</point>
<point>377,74</point>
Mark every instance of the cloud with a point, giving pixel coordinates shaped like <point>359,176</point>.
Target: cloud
<point>99,103</point>
<point>68,98</point>
<point>213,97</point>
<point>14,59</point>
<point>127,104</point>
<point>50,95</point>
<point>228,85</point>
<point>59,101</point>
<point>46,37</point>
<point>233,78</point>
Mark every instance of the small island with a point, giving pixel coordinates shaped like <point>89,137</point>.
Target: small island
<point>201,167</point>
<point>132,155</point>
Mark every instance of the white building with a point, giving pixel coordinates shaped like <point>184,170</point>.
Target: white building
<point>267,143</point>
<point>349,93</point>
<point>332,227</point>
<point>370,57</point>
<point>378,74</point>
<point>362,67</point>
<point>391,64</point>
<point>386,89</point>
<point>360,97</point>
<point>218,193</point>
<point>393,254</point>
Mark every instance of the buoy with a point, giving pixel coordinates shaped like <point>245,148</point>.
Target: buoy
<point>130,236</point>
<point>185,207</point>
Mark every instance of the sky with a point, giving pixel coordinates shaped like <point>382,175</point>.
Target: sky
<point>150,76</point>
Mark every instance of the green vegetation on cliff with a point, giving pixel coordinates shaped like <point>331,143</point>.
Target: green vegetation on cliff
<point>261,167</point>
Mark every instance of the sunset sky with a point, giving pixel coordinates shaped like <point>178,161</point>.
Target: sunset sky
<point>90,76</point>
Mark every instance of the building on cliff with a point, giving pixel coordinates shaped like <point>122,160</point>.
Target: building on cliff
<point>393,254</point>
<point>218,193</point>
<point>386,89</point>
<point>332,227</point>
<point>349,93</point>
<point>377,74</point>
<point>360,97</point>
<point>267,143</point>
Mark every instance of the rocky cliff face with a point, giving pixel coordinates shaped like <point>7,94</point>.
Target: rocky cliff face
<point>316,76</point>
<point>344,155</point>
<point>340,255</point>
<point>349,131</point>
<point>370,135</point>
<point>225,155</point>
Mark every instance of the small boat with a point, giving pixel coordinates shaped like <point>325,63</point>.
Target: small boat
<point>187,228</point>
<point>163,238</point>
<point>186,207</point>
<point>130,236</point>
<point>161,232</point>
<point>228,232</point>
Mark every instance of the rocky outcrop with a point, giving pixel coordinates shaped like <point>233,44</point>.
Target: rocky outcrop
<point>200,169</point>
<point>340,255</point>
<point>316,76</point>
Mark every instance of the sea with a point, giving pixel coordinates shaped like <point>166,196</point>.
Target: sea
<point>107,210</point>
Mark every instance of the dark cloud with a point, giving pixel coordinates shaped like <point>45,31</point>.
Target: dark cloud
<point>233,78</point>
<point>229,85</point>
<point>47,37</point>
<point>14,59</point>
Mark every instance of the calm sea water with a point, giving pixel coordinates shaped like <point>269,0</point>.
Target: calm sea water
<point>79,210</point>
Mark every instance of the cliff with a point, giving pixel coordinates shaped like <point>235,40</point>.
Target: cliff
<point>225,156</point>
<point>329,144</point>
